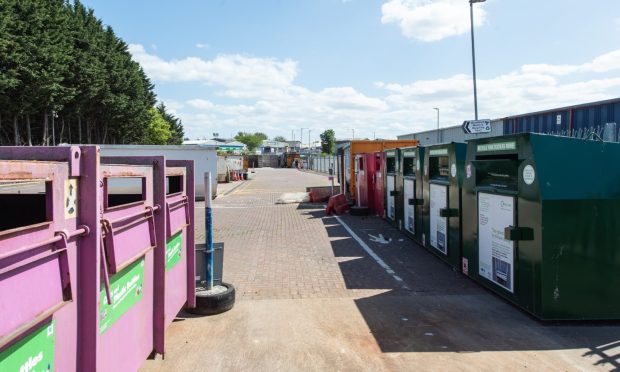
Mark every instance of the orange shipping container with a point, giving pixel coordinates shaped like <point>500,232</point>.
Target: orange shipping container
<point>346,156</point>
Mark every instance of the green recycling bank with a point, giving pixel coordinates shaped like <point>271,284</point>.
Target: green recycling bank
<point>443,177</point>
<point>541,223</point>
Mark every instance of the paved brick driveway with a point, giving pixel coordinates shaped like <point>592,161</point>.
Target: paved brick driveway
<point>311,298</point>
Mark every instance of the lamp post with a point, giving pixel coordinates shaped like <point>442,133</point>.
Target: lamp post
<point>309,145</point>
<point>473,51</point>
<point>438,133</point>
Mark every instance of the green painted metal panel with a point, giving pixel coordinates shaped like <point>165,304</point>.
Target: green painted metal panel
<point>412,165</point>
<point>567,207</point>
<point>443,175</point>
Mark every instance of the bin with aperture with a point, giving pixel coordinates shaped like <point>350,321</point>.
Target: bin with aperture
<point>379,187</point>
<point>443,177</point>
<point>365,181</point>
<point>412,163</point>
<point>541,221</point>
<point>393,187</point>
<point>44,194</point>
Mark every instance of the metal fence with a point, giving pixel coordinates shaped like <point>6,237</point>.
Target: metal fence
<point>322,164</point>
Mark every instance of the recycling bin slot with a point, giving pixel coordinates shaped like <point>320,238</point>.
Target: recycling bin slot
<point>174,185</point>
<point>439,168</point>
<point>19,196</point>
<point>409,166</point>
<point>390,164</point>
<point>128,238</point>
<point>121,191</point>
<point>497,173</point>
<point>518,233</point>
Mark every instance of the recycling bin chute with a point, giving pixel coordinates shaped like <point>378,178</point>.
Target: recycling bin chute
<point>443,168</point>
<point>393,191</point>
<point>541,222</point>
<point>412,159</point>
<point>41,234</point>
<point>132,222</point>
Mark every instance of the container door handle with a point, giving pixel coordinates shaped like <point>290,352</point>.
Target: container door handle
<point>104,271</point>
<point>108,240</point>
<point>518,233</point>
<point>448,212</point>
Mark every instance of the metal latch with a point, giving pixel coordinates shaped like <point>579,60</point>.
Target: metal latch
<point>393,193</point>
<point>415,201</point>
<point>518,233</point>
<point>448,212</point>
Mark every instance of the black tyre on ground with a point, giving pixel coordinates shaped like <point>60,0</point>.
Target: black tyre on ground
<point>211,304</point>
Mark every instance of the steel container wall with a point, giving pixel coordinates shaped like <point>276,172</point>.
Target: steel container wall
<point>179,272</point>
<point>39,260</point>
<point>127,297</point>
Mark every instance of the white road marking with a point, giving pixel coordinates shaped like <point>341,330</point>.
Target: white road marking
<point>371,253</point>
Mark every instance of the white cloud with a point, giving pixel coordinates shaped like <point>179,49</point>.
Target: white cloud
<point>604,63</point>
<point>233,71</point>
<point>202,46</point>
<point>431,20</point>
<point>250,93</point>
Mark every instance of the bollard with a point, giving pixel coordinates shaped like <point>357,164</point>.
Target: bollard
<point>211,299</point>
<point>208,233</point>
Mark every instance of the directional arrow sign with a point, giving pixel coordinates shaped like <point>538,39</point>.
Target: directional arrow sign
<point>477,126</point>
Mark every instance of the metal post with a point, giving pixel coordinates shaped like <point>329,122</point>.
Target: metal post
<point>473,56</point>
<point>209,232</point>
<point>309,131</point>
<point>438,132</point>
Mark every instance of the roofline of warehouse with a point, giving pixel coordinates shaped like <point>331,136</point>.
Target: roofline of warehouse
<point>573,107</point>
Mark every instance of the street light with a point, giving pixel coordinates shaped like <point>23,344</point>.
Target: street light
<point>473,52</point>
<point>309,131</point>
<point>438,138</point>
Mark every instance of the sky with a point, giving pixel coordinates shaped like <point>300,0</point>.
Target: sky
<point>369,68</point>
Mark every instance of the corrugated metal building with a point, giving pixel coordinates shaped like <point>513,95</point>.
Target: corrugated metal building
<point>575,121</point>
<point>452,134</point>
<point>601,118</point>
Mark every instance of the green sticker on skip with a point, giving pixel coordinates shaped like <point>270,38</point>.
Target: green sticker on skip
<point>174,250</point>
<point>34,352</point>
<point>126,289</point>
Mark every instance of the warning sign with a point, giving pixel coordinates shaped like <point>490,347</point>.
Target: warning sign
<point>71,200</point>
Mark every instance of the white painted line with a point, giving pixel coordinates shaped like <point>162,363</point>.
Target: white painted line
<point>371,253</point>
